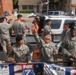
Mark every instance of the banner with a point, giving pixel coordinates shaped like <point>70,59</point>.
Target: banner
<point>58,70</point>
<point>29,70</point>
<point>35,69</point>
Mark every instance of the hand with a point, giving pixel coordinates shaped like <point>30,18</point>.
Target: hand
<point>34,31</point>
<point>72,56</point>
<point>29,61</point>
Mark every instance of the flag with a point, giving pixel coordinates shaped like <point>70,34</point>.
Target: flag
<point>6,69</point>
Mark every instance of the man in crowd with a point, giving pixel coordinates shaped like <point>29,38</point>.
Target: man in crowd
<point>5,36</point>
<point>18,26</point>
<point>66,32</point>
<point>46,46</point>
<point>69,48</point>
<point>47,27</point>
<point>20,51</point>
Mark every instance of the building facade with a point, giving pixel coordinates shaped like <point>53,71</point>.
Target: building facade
<point>64,5</point>
<point>6,5</point>
<point>29,4</point>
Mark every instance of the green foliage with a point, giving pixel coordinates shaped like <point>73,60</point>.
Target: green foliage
<point>44,11</point>
<point>15,1</point>
<point>26,11</point>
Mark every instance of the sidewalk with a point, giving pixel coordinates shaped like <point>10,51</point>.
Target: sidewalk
<point>24,17</point>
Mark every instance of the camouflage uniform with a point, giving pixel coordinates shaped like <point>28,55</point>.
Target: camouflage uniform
<point>5,37</point>
<point>21,53</point>
<point>70,47</point>
<point>66,35</point>
<point>47,29</point>
<point>18,27</point>
<point>46,50</point>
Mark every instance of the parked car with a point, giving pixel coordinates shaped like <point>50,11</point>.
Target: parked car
<point>58,24</point>
<point>50,13</point>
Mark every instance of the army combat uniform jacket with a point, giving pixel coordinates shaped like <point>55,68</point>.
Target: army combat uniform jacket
<point>70,47</point>
<point>47,29</point>
<point>18,27</point>
<point>5,36</point>
<point>21,53</point>
<point>46,50</point>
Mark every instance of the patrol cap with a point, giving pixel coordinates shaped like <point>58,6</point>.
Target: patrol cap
<point>2,18</point>
<point>48,33</point>
<point>19,37</point>
<point>19,15</point>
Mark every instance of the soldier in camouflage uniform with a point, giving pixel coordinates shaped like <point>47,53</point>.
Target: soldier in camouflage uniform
<point>66,32</point>
<point>47,48</point>
<point>47,27</point>
<point>69,48</point>
<point>5,36</point>
<point>20,51</point>
<point>19,27</point>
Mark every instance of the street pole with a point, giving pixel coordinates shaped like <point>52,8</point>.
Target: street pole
<point>70,4</point>
<point>47,7</point>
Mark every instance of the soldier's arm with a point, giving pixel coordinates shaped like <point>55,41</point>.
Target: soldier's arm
<point>55,50</point>
<point>28,55</point>
<point>39,41</point>
<point>23,28</point>
<point>12,56</point>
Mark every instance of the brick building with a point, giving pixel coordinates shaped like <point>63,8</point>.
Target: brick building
<point>6,5</point>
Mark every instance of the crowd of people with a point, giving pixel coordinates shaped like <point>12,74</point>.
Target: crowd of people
<point>20,52</point>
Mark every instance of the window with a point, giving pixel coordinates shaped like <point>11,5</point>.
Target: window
<point>24,6</point>
<point>30,6</point>
<point>50,13</point>
<point>56,13</point>
<point>45,7</point>
<point>55,24</point>
<point>71,22</point>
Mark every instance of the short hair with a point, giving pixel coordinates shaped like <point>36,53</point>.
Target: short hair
<point>19,16</point>
<point>19,37</point>
<point>67,24</point>
<point>3,18</point>
<point>48,33</point>
<point>48,20</point>
<point>34,21</point>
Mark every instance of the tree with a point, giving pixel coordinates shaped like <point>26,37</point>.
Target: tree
<point>15,1</point>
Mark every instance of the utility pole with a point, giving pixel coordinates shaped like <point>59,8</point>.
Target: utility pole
<point>47,7</point>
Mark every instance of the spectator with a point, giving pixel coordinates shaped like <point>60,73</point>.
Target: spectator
<point>20,51</point>
<point>5,36</point>
<point>46,46</point>
<point>35,26</point>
